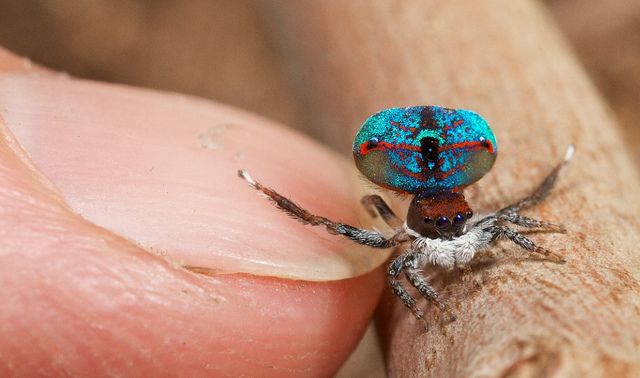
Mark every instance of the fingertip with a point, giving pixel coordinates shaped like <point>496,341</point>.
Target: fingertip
<point>158,169</point>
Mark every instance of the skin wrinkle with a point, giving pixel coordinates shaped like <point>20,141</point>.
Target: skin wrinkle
<point>13,151</point>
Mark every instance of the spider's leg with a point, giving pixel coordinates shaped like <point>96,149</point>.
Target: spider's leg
<point>526,243</point>
<point>418,281</point>
<point>544,189</point>
<point>365,237</point>
<point>395,268</point>
<point>375,202</point>
<point>527,222</point>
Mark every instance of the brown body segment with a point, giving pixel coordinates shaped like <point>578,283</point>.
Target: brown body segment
<point>434,215</point>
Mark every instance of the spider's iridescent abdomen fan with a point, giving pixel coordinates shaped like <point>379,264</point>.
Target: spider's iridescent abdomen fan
<point>424,149</point>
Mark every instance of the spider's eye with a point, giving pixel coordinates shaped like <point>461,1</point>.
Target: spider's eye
<point>428,220</point>
<point>373,142</point>
<point>442,223</point>
<point>458,219</point>
<point>469,214</point>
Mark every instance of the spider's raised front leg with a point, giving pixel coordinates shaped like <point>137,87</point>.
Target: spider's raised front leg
<point>511,212</point>
<point>544,189</point>
<point>373,203</point>
<point>360,236</point>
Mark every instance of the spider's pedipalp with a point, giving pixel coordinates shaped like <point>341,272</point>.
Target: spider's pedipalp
<point>374,203</point>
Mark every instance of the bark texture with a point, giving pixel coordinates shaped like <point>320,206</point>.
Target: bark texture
<point>506,60</point>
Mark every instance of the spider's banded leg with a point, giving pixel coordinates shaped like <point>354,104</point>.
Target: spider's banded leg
<point>365,237</point>
<point>542,192</point>
<point>375,202</point>
<point>526,243</point>
<point>523,221</point>
<point>395,268</point>
<point>417,281</point>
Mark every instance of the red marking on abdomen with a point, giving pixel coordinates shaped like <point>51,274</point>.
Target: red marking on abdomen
<point>469,145</point>
<point>382,146</point>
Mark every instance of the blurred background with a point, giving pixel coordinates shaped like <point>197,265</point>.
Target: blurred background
<point>226,50</point>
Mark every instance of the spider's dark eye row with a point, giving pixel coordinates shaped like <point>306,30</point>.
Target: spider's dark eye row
<point>442,223</point>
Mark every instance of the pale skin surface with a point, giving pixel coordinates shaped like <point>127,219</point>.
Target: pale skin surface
<point>80,299</point>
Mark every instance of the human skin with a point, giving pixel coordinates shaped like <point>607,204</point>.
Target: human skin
<point>107,193</point>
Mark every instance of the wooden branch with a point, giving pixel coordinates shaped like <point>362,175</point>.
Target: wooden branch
<point>506,60</point>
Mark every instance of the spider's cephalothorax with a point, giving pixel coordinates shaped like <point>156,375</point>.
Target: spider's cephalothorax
<point>432,153</point>
<point>438,215</point>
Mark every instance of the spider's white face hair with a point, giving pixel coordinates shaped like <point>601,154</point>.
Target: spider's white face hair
<point>457,251</point>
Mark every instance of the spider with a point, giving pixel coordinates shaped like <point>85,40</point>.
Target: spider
<point>431,153</point>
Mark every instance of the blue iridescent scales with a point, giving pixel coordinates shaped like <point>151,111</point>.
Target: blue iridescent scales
<point>425,149</point>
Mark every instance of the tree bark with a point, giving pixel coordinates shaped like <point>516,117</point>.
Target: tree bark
<point>506,60</point>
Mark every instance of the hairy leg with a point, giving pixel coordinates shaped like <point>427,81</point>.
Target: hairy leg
<point>542,192</point>
<point>526,243</point>
<point>395,268</point>
<point>527,222</point>
<point>375,203</point>
<point>360,236</point>
<point>417,280</point>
